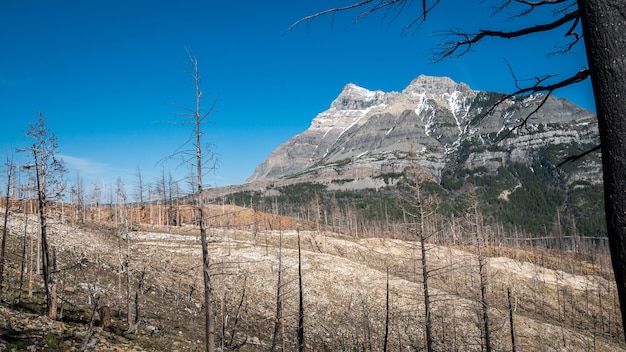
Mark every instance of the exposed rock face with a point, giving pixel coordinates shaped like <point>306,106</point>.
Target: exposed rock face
<point>368,133</point>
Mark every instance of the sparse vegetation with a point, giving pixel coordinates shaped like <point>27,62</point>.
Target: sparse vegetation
<point>344,280</point>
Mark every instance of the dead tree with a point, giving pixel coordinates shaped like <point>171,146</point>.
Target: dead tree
<point>482,272</point>
<point>139,291</point>
<point>278,320</point>
<point>511,326</point>
<point>301,343</point>
<point>604,25</point>
<point>415,208</point>
<point>121,208</point>
<point>386,339</point>
<point>140,193</point>
<point>197,154</point>
<point>24,256</point>
<point>49,181</point>
<point>10,170</point>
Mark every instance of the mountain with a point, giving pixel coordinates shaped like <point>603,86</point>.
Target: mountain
<point>439,124</point>
<point>503,155</point>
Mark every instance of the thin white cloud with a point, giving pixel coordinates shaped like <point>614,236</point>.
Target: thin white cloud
<point>85,167</point>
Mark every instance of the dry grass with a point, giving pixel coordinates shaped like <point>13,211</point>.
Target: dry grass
<point>344,289</point>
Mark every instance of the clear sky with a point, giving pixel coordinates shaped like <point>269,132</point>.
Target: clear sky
<point>109,75</point>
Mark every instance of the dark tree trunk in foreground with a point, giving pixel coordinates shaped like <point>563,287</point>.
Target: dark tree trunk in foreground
<point>604,25</point>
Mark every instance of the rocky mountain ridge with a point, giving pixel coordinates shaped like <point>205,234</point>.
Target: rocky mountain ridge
<point>436,122</point>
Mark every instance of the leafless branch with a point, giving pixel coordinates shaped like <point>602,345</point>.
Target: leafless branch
<point>370,7</point>
<point>467,40</point>
<point>538,87</point>
<point>333,10</point>
<point>532,5</point>
<point>573,158</point>
<point>420,19</point>
<point>524,121</point>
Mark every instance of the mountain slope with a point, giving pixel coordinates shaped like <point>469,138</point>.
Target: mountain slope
<point>366,133</point>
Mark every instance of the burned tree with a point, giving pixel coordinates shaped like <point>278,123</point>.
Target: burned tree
<point>10,171</point>
<point>197,154</point>
<point>49,172</point>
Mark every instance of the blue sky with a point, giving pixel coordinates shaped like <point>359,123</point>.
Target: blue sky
<point>109,75</point>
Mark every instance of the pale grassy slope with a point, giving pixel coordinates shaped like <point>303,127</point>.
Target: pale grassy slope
<point>344,290</point>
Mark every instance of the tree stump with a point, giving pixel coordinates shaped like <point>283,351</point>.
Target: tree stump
<point>105,317</point>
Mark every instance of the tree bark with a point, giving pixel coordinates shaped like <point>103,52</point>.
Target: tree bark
<point>604,25</point>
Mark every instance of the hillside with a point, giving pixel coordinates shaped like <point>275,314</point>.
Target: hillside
<point>561,300</point>
<point>439,124</point>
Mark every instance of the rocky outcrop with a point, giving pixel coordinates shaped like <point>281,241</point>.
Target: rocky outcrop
<point>434,121</point>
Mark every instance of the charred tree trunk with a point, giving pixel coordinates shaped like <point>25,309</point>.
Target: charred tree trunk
<point>511,326</point>
<point>4,229</point>
<point>134,325</point>
<point>425,274</point>
<point>604,25</point>
<point>48,275</point>
<point>484,306</point>
<point>386,314</point>
<point>279,297</point>
<point>301,345</point>
<point>209,326</point>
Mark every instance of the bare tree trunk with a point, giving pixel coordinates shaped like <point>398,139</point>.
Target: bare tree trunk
<point>129,306</point>
<point>301,343</point>
<point>30,263</point>
<point>4,229</point>
<point>386,314</point>
<point>48,275</point>
<point>209,332</point>
<point>483,283</point>
<point>134,324</point>
<point>279,299</point>
<point>140,191</point>
<point>421,233</point>
<point>604,24</point>
<point>123,222</point>
<point>23,267</point>
<point>233,331</point>
<point>427,309</point>
<point>89,332</point>
<point>511,326</point>
<point>209,324</point>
